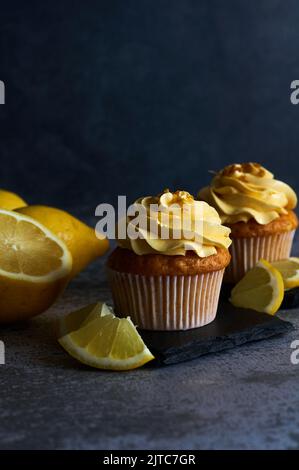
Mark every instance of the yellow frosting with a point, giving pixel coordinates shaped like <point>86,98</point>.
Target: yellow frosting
<point>201,232</point>
<point>241,192</point>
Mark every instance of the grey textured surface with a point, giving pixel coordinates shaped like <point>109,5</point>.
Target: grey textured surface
<point>241,399</point>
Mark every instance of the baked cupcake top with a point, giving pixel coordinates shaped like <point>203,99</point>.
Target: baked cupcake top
<point>241,192</point>
<point>174,223</point>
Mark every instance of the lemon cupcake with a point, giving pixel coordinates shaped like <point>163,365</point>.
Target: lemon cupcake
<point>165,278</point>
<point>258,210</point>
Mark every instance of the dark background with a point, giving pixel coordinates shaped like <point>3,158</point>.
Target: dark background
<point>128,97</point>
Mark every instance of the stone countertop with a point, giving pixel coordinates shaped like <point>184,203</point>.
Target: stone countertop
<point>239,399</point>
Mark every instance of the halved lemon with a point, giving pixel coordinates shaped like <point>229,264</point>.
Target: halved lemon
<point>261,289</point>
<point>34,267</point>
<point>96,337</point>
<point>289,269</point>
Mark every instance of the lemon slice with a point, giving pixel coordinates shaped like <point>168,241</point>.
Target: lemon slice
<point>261,289</point>
<point>289,269</point>
<point>96,337</point>
<point>34,266</point>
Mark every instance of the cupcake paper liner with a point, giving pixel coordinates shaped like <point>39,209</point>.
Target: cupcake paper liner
<point>166,302</point>
<point>246,252</point>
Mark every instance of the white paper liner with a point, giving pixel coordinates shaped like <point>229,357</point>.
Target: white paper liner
<point>246,252</point>
<point>166,302</point>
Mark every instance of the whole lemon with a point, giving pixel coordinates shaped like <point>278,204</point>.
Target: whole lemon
<point>80,239</point>
<point>10,201</point>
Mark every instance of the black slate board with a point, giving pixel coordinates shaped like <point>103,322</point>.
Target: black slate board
<point>232,327</point>
<point>290,300</point>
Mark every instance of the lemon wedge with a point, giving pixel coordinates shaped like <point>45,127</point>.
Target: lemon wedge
<point>96,337</point>
<point>34,267</point>
<point>289,269</point>
<point>261,289</point>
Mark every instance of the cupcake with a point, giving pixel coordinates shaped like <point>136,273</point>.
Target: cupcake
<point>167,275</point>
<point>258,210</point>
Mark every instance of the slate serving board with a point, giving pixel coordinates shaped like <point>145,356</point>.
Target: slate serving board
<point>232,327</point>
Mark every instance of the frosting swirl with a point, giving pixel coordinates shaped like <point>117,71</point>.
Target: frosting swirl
<point>241,192</point>
<point>174,223</point>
